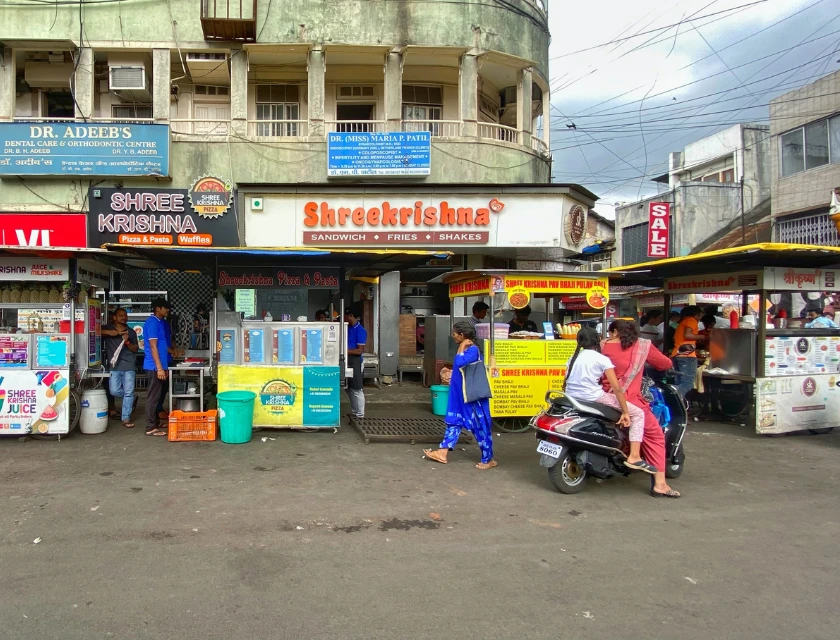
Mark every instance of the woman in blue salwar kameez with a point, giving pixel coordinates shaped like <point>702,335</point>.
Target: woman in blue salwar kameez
<point>472,416</point>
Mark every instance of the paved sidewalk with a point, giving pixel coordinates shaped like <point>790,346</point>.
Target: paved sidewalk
<point>317,535</point>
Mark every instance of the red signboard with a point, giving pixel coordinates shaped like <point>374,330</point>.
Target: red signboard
<point>659,229</point>
<point>43,230</point>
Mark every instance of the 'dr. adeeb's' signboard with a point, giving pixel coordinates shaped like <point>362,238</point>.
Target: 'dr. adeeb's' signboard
<point>397,153</point>
<point>83,149</point>
<point>200,217</point>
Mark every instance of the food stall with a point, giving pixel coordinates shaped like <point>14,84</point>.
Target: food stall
<point>786,374</point>
<point>522,367</point>
<point>43,358</point>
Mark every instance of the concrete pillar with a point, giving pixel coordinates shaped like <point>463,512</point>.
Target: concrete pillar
<point>674,164</point>
<point>83,83</point>
<point>546,113</point>
<point>161,83</point>
<point>7,84</point>
<point>316,70</point>
<point>393,91</point>
<point>469,95</point>
<point>239,94</point>
<point>389,323</point>
<point>524,106</point>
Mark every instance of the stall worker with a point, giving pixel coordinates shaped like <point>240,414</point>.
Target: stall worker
<point>356,339</point>
<point>821,319</point>
<point>320,315</point>
<point>479,312</point>
<point>521,322</point>
<point>121,345</point>
<point>156,363</point>
<point>684,354</point>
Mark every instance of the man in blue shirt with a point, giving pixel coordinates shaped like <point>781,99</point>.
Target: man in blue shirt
<point>356,339</point>
<point>820,320</point>
<point>156,363</point>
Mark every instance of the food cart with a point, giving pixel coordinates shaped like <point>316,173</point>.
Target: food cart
<point>522,368</point>
<point>43,356</point>
<point>785,377</point>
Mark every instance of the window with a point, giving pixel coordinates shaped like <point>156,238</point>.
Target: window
<point>355,91</point>
<point>424,104</point>
<point>488,106</point>
<point>131,112</point>
<point>728,175</point>
<point>422,95</point>
<point>811,146</point>
<point>793,152</point>
<point>712,177</point>
<point>816,144</point>
<point>278,102</point>
<point>634,241</point>
<point>834,138</point>
<point>209,90</point>
<point>57,104</point>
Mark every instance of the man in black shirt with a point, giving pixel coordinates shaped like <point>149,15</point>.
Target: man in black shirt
<point>121,347</point>
<point>521,321</point>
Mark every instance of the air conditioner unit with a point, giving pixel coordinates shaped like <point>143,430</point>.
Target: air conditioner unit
<point>600,265</point>
<point>46,75</point>
<point>130,83</point>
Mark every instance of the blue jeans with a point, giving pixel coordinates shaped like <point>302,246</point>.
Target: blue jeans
<point>122,386</point>
<point>688,367</point>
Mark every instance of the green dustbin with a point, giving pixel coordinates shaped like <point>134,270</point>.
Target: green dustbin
<point>440,399</point>
<point>236,415</point>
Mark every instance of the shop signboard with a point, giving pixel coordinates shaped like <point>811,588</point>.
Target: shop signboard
<point>788,404</point>
<point>203,216</point>
<point>40,230</point>
<point>34,269</point>
<point>277,277</point>
<point>659,229</point>
<point>739,281</point>
<point>83,149</point>
<point>556,284</point>
<point>366,153</point>
<point>34,401</point>
<point>410,218</point>
<point>288,396</point>
<point>789,279</point>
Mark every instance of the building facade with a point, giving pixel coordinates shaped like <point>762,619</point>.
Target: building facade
<point>805,128</point>
<point>716,186</point>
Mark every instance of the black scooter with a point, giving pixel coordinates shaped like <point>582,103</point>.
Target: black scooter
<point>580,439</point>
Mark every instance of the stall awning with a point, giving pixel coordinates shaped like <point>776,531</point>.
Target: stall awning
<point>754,256</point>
<point>369,263</point>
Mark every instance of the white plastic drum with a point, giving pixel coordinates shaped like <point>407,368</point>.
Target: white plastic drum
<point>94,416</point>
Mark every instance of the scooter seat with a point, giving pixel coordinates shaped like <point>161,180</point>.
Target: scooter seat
<point>589,408</point>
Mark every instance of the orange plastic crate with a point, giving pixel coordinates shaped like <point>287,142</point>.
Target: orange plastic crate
<point>192,426</point>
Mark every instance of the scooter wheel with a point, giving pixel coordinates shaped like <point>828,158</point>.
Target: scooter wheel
<point>567,476</point>
<point>673,470</point>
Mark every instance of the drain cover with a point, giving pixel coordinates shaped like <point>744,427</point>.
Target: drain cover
<point>413,430</point>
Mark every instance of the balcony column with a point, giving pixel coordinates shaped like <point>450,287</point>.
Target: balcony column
<point>393,91</point>
<point>83,83</point>
<point>469,95</point>
<point>239,94</point>
<point>546,108</point>
<point>524,106</point>
<point>7,84</point>
<point>161,84</point>
<point>316,77</point>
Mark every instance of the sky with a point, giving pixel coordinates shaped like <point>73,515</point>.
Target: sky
<point>671,74</point>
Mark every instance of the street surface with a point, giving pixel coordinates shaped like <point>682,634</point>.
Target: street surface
<point>317,535</point>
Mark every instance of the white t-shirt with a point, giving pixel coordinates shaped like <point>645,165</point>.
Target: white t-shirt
<point>583,382</point>
<point>653,333</point>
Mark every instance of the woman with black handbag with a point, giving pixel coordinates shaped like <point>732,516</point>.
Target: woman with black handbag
<point>469,406</point>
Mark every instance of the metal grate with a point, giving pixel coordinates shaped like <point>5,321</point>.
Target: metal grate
<point>816,230</point>
<point>413,430</point>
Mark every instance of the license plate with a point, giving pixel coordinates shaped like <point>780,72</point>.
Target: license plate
<point>549,448</point>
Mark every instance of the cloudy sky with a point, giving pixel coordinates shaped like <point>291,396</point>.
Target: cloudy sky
<point>673,72</point>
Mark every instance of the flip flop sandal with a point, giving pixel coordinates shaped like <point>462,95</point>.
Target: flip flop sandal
<point>156,433</point>
<point>486,465</point>
<point>641,465</point>
<point>668,494</point>
<point>128,424</point>
<point>433,455</point>
<point>114,415</point>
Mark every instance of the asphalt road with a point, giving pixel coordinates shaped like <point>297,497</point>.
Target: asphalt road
<point>322,536</point>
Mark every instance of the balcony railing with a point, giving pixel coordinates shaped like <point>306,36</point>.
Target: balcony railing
<point>493,131</point>
<point>278,128</point>
<point>202,127</point>
<point>229,20</point>
<point>42,119</point>
<point>438,128</point>
<point>356,126</point>
<point>538,145</point>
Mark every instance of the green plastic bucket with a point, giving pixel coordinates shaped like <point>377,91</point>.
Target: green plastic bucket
<point>440,399</point>
<point>236,415</point>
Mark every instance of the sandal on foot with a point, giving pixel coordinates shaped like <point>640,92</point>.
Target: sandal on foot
<point>156,432</point>
<point>128,424</point>
<point>114,415</point>
<point>487,465</point>
<point>670,493</point>
<point>434,455</point>
<point>641,465</point>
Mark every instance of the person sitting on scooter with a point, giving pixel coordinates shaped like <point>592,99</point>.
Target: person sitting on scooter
<point>583,382</point>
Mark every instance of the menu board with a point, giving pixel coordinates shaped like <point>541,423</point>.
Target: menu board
<point>46,320</point>
<point>227,346</point>
<point>786,404</point>
<point>312,346</point>
<point>525,352</point>
<point>801,355</point>
<point>51,351</point>
<point>14,351</point>
<point>254,346</point>
<point>283,346</point>
<point>94,333</point>
<point>520,391</point>
<point>560,352</point>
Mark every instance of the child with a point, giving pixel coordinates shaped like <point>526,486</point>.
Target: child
<point>583,382</point>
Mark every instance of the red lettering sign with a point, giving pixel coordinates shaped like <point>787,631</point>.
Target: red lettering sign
<point>43,230</point>
<point>659,229</point>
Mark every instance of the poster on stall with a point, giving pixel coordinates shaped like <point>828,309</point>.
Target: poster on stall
<point>797,403</point>
<point>288,396</point>
<point>283,346</point>
<point>520,391</point>
<point>314,346</point>
<point>51,351</point>
<point>227,346</point>
<point>801,355</point>
<point>14,351</point>
<point>253,350</point>
<point>138,329</point>
<point>34,402</point>
<point>94,332</point>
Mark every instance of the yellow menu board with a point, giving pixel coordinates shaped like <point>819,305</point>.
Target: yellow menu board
<point>518,352</point>
<point>559,351</point>
<point>520,391</point>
